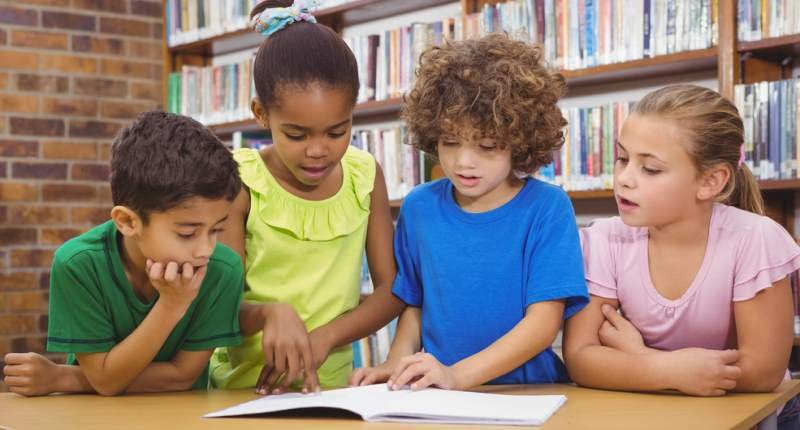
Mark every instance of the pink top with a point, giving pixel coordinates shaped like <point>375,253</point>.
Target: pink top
<point>746,253</point>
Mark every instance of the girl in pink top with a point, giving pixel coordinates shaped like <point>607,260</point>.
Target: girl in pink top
<point>697,271</point>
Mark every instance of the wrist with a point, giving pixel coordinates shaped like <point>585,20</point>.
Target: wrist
<point>660,365</point>
<point>170,309</point>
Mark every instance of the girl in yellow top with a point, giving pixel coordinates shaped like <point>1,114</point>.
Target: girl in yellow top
<point>310,205</point>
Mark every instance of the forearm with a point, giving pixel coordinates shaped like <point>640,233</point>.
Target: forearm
<point>527,339</point>
<point>760,373</point>
<point>162,377</point>
<point>71,379</point>
<point>120,366</point>
<point>251,318</point>
<point>372,314</point>
<point>407,339</point>
<point>620,370</point>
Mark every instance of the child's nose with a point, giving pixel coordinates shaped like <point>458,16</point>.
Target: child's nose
<point>317,148</point>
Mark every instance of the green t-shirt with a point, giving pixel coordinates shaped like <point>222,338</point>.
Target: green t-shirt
<point>93,307</point>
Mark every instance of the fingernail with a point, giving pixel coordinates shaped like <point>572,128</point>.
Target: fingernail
<point>276,391</point>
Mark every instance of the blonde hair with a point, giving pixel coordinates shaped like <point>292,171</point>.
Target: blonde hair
<point>715,130</point>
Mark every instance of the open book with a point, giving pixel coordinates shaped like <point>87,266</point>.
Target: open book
<point>378,403</point>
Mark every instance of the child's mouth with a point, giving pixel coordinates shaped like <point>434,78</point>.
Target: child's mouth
<point>468,180</point>
<point>625,204</point>
<point>315,172</point>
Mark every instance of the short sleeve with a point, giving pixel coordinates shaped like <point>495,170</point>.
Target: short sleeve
<point>215,322</point>
<point>79,319</point>
<point>598,259</point>
<point>556,265</point>
<point>407,284</point>
<point>766,254</point>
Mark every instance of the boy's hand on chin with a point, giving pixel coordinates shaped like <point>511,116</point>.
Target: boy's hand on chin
<point>177,285</point>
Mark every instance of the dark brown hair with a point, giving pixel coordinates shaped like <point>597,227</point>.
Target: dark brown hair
<point>494,86</point>
<point>162,159</point>
<point>716,133</point>
<point>301,53</point>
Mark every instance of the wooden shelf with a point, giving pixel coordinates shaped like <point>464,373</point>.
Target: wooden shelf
<point>662,65</point>
<point>591,194</point>
<point>363,111</point>
<point>797,341</point>
<point>775,48</point>
<point>350,13</point>
<point>779,185</point>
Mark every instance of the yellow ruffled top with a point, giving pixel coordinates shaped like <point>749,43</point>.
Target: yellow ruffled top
<point>306,253</point>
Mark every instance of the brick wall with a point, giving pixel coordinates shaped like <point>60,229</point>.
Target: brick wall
<point>72,72</point>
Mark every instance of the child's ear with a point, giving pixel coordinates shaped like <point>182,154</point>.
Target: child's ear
<point>128,222</point>
<point>713,182</point>
<point>260,112</point>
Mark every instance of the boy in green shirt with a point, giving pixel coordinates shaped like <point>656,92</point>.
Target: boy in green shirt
<point>141,301</point>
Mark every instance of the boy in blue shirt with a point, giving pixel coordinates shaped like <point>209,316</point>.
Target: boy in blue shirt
<point>140,301</point>
<point>488,259</point>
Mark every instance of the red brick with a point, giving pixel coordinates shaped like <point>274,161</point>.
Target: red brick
<point>141,49</point>
<point>39,39</point>
<point>91,216</point>
<point>57,236</point>
<point>2,37</point>
<point>19,103</point>
<point>23,170</point>
<point>97,45</point>
<point>110,67</point>
<point>17,324</point>
<point>18,60</point>
<point>3,214</point>
<point>29,344</point>
<point>18,192</point>
<point>5,348</point>
<point>148,91</point>
<point>100,87</point>
<point>104,193</point>
<point>90,172</point>
<point>128,27</point>
<point>33,215</point>
<point>3,81</point>
<point>146,8</point>
<point>69,150</point>
<point>31,258</point>
<point>60,3</point>
<point>27,301</point>
<point>3,125</point>
<point>18,280</point>
<point>104,151</point>
<point>69,64</point>
<point>123,110</point>
<point>158,71</point>
<point>36,126</point>
<point>44,283</point>
<point>18,16</point>
<point>3,169</point>
<point>93,129</point>
<point>157,28</point>
<point>68,192</point>
<point>42,83</point>
<point>17,236</point>
<point>72,107</point>
<point>72,21</point>
<point>119,6</point>
<point>18,148</point>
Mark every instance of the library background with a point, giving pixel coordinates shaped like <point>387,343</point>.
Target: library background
<point>72,72</point>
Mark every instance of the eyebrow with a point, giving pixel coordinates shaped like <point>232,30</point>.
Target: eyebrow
<point>198,224</point>
<point>300,127</point>
<point>642,155</point>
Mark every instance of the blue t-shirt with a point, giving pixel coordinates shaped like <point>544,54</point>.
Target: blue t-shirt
<point>474,274</point>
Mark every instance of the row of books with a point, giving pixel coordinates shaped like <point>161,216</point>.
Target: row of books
<point>213,94</point>
<point>761,19</point>
<point>372,350</point>
<point>192,20</point>
<point>584,33</point>
<point>586,161</point>
<point>770,114</point>
<point>386,61</point>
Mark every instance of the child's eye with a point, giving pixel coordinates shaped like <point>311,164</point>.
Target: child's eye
<point>651,171</point>
<point>217,230</point>
<point>622,160</point>
<point>185,236</point>
<point>336,135</point>
<point>488,148</point>
<point>449,142</point>
<point>294,136</point>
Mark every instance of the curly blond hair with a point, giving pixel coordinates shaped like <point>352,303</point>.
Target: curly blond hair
<point>495,87</point>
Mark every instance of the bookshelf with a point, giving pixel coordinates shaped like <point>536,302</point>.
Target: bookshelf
<point>734,62</point>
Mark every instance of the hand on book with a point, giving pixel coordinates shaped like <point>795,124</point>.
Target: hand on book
<point>287,352</point>
<point>372,375</point>
<point>31,374</point>
<point>422,370</point>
